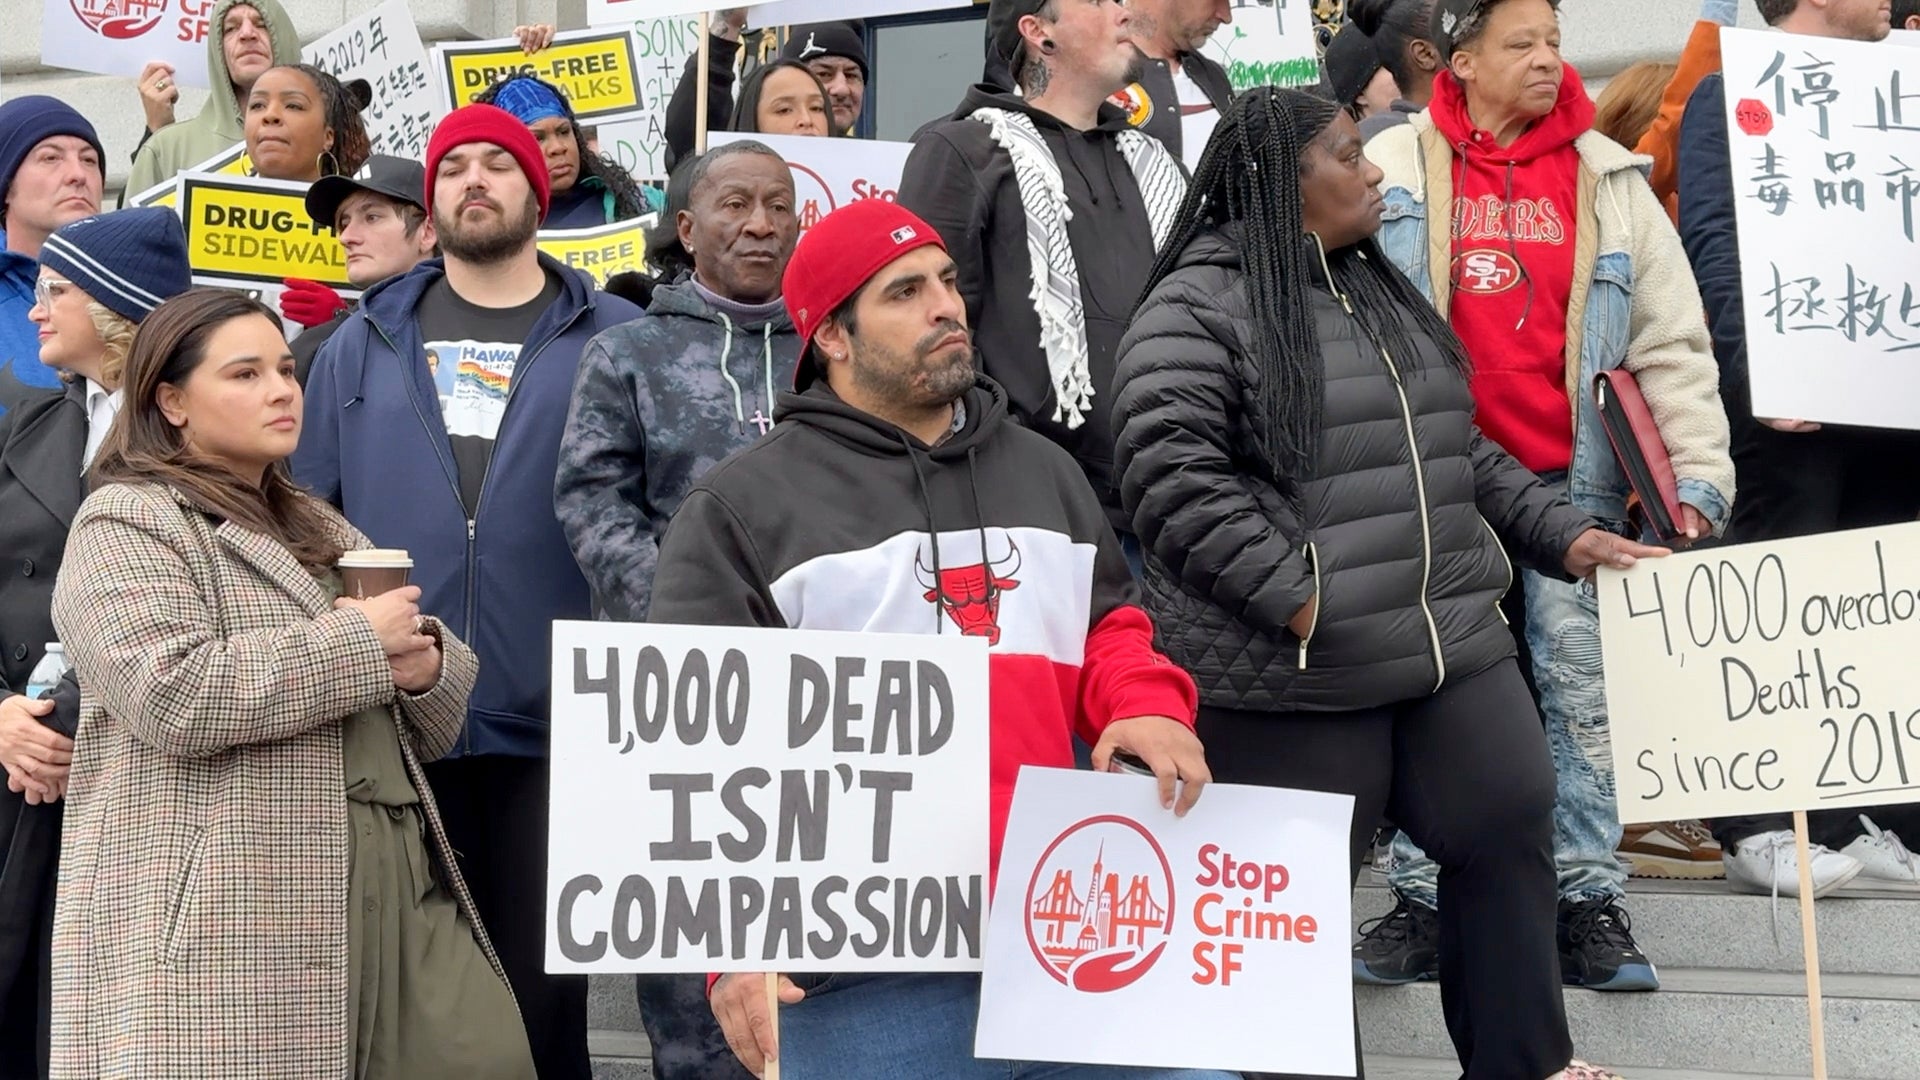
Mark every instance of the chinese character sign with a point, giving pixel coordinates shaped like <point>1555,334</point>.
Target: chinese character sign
<point>1765,677</point>
<point>384,48</point>
<point>1825,142</point>
<point>732,799</point>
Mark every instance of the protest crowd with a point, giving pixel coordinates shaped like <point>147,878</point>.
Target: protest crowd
<point>1277,403</point>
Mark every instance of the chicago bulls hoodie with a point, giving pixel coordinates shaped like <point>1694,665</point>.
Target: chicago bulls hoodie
<point>838,520</point>
<point>1515,209</point>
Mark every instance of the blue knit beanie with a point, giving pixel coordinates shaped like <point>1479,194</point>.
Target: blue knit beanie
<point>128,260</point>
<point>27,121</point>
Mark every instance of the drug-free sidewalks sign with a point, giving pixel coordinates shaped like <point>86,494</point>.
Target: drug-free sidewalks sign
<point>248,232</point>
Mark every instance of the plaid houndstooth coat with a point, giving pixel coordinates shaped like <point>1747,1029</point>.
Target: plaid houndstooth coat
<point>201,928</point>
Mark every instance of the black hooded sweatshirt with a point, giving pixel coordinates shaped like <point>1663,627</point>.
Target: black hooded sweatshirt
<point>838,520</point>
<point>963,184</point>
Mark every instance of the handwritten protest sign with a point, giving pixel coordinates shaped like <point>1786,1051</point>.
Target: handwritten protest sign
<point>1268,42</point>
<point>1222,938</point>
<point>639,145</point>
<point>1766,677</point>
<point>118,37</point>
<point>1825,138</point>
<point>749,800</point>
<point>248,232</point>
<point>831,173</point>
<point>596,68</point>
<point>602,251</point>
<point>383,47</point>
<point>232,161</point>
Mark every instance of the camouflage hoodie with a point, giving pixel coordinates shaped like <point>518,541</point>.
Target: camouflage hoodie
<point>657,403</point>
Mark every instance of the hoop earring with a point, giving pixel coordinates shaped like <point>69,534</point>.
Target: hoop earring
<point>328,164</point>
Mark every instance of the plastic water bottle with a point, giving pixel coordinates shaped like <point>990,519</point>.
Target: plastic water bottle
<point>46,674</point>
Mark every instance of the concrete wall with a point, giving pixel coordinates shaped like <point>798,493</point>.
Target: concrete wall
<point>1602,36</point>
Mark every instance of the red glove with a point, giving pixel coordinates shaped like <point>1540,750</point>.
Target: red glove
<point>310,303</point>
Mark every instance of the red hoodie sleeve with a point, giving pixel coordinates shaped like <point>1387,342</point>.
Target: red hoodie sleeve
<point>1123,675</point>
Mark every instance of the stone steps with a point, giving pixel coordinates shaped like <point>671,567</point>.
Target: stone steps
<point>1732,1001</point>
<point>1732,1005</point>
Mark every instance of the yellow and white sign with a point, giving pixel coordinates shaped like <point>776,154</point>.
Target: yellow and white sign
<point>602,251</point>
<point>249,233</point>
<point>233,161</point>
<point>596,68</point>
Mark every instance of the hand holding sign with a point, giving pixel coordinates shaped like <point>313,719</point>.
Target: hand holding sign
<point>1168,747</point>
<point>739,1002</point>
<point>1596,548</point>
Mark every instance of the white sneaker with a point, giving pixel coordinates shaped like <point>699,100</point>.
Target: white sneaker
<point>1765,864</point>
<point>1886,862</point>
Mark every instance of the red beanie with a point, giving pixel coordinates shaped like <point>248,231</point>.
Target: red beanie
<point>838,256</point>
<point>489,124</point>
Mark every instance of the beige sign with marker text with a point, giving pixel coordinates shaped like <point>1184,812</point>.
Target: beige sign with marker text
<point>1766,677</point>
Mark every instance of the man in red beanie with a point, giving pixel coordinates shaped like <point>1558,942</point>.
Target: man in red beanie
<point>950,492</point>
<point>408,431</point>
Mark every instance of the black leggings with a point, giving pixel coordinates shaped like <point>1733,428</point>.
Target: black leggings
<point>1466,773</point>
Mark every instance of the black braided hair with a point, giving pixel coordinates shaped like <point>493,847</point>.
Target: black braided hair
<point>1393,25</point>
<point>1249,177</point>
<point>628,202</point>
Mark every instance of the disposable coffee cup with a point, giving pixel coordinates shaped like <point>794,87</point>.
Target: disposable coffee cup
<point>367,573</point>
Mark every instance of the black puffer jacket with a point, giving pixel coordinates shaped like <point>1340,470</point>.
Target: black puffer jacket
<point>1397,545</point>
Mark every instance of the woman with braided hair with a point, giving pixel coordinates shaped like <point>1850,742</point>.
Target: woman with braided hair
<point>1322,525</point>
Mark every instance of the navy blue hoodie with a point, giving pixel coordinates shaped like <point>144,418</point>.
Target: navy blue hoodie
<point>374,444</point>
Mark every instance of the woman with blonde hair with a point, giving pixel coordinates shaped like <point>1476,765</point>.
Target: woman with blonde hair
<point>1628,106</point>
<point>99,277</point>
<point>256,881</point>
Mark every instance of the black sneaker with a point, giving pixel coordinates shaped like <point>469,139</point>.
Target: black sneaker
<point>1597,950</point>
<point>1399,947</point>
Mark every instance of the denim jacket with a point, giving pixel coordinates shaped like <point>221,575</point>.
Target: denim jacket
<point>1635,305</point>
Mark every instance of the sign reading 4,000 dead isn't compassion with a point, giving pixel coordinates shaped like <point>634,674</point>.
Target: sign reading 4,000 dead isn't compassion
<point>766,800</point>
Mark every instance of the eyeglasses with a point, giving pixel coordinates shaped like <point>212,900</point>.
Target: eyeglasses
<point>46,290</point>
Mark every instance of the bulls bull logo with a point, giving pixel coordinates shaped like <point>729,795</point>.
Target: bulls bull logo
<point>970,595</point>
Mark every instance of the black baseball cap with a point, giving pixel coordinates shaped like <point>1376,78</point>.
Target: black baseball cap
<point>399,179</point>
<point>1003,26</point>
<point>1454,20</point>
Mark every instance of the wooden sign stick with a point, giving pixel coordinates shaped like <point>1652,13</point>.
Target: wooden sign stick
<point>700,89</point>
<point>1810,944</point>
<point>773,1018</point>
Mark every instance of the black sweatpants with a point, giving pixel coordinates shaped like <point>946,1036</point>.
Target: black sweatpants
<point>1466,773</point>
<point>495,809</point>
<point>1802,484</point>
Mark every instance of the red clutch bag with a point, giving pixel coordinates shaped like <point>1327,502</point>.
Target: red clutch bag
<point>1642,453</point>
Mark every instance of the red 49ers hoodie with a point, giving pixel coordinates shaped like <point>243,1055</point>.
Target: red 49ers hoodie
<point>1514,213</point>
<point>838,520</point>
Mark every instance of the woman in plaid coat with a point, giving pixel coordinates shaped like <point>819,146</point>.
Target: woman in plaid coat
<point>245,887</point>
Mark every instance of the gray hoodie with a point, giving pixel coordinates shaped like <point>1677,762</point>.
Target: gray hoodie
<point>657,403</point>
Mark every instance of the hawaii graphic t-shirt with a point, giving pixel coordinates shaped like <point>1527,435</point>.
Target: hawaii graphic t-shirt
<point>472,352</point>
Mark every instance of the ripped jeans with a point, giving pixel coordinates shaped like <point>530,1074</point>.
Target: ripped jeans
<point>1563,633</point>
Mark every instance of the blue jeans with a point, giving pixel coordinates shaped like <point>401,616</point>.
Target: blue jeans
<point>884,1027</point>
<point>1563,632</point>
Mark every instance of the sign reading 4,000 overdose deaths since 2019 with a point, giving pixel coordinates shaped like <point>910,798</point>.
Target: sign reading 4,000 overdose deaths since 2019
<point>248,232</point>
<point>730,799</point>
<point>1764,678</point>
<point>597,69</point>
